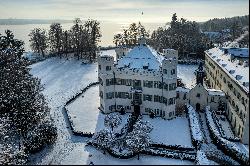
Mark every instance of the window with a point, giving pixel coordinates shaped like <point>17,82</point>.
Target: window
<point>156,98</point>
<point>156,84</point>
<point>147,97</point>
<point>165,71</point>
<point>99,66</point>
<point>112,107</point>
<point>137,83</point>
<point>165,86</point>
<point>110,81</point>
<point>172,86</point>
<point>101,94</point>
<point>224,80</point>
<point>177,95</point>
<point>170,101</point>
<point>108,68</point>
<point>110,95</point>
<point>212,99</point>
<point>128,82</point>
<point>165,101</point>
<point>170,114</point>
<point>185,96</point>
<point>148,84</point>
<point>118,81</point>
<point>100,80</point>
<point>198,95</point>
<point>242,100</point>
<point>172,71</point>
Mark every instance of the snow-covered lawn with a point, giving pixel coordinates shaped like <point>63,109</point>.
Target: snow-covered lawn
<point>170,132</point>
<point>85,114</point>
<point>83,155</point>
<point>62,79</point>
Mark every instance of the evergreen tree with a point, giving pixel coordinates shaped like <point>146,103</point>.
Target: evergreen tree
<point>21,99</point>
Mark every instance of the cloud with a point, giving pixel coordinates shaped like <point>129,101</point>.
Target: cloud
<point>159,10</point>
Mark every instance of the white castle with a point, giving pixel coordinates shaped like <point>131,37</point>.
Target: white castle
<point>141,81</point>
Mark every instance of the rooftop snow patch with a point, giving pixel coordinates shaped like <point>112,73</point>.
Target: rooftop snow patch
<point>215,92</point>
<point>139,56</point>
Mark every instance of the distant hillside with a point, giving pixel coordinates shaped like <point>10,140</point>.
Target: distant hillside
<point>217,24</point>
<point>30,21</point>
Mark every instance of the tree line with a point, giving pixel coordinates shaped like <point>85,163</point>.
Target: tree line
<point>81,39</point>
<point>129,36</point>
<point>25,122</point>
<point>235,25</point>
<point>182,35</point>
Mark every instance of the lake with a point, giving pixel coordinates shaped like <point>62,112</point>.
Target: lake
<point>108,29</point>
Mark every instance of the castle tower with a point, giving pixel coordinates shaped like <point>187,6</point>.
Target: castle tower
<point>200,74</point>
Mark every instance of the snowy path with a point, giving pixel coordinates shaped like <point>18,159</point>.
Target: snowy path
<point>208,147</point>
<point>62,79</point>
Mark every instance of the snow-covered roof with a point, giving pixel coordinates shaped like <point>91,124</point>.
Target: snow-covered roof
<point>237,52</point>
<point>139,56</point>
<point>215,92</point>
<point>238,73</point>
<point>182,89</point>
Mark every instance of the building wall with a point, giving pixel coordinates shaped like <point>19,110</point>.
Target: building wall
<point>204,98</point>
<point>169,77</point>
<point>237,97</point>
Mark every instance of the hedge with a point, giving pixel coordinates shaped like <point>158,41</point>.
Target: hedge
<point>226,146</point>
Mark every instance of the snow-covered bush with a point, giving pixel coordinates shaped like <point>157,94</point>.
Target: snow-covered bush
<point>112,120</point>
<point>201,158</point>
<point>41,135</point>
<point>152,115</point>
<point>137,141</point>
<point>103,139</point>
<point>194,125</point>
<point>143,126</point>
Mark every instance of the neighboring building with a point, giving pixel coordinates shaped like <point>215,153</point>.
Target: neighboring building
<point>213,36</point>
<point>199,97</point>
<point>232,77</point>
<point>141,81</point>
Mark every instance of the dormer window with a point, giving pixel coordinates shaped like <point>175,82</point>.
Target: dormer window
<point>108,68</point>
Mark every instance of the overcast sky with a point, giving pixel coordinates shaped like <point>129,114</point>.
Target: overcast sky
<point>123,10</point>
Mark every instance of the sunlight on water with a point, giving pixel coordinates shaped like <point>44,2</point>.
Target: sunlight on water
<point>108,29</point>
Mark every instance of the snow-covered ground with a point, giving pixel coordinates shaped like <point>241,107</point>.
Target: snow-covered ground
<point>226,127</point>
<point>83,155</point>
<point>85,114</point>
<point>170,132</point>
<point>62,79</point>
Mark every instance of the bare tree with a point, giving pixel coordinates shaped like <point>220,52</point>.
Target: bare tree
<point>38,40</point>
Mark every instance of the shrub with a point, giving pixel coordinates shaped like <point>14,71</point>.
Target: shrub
<point>40,136</point>
<point>152,115</point>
